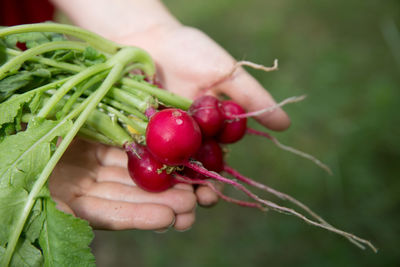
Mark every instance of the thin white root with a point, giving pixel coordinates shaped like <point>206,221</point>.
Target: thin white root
<point>353,238</point>
<point>282,196</point>
<point>302,154</point>
<point>286,101</point>
<point>254,66</point>
<point>236,66</point>
<point>291,149</point>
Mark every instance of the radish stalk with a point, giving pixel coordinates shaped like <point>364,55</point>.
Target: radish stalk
<point>192,181</point>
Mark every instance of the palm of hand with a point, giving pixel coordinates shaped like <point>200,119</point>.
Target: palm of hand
<point>91,181</point>
<point>189,62</point>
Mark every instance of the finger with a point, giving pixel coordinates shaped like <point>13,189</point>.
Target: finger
<point>206,197</point>
<point>183,186</point>
<point>119,215</point>
<point>180,201</point>
<point>184,222</point>
<point>81,153</point>
<point>68,181</point>
<point>246,91</point>
<point>60,205</point>
<point>111,156</point>
<point>114,174</point>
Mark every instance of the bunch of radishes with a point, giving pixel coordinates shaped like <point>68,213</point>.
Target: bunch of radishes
<point>175,138</point>
<point>185,147</point>
<point>91,87</point>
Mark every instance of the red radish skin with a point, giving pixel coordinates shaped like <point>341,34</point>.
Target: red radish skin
<point>210,154</point>
<point>173,136</point>
<point>146,171</point>
<point>206,111</point>
<point>232,130</point>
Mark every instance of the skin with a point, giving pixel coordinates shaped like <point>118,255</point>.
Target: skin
<point>91,180</point>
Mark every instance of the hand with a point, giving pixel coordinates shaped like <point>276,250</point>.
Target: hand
<point>92,182</point>
<point>188,60</point>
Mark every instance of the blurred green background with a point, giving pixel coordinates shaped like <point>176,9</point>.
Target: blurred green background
<point>345,55</point>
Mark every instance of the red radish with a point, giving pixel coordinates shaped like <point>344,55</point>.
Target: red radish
<point>173,136</point>
<point>232,129</point>
<point>210,154</point>
<point>206,111</point>
<point>226,119</point>
<point>147,172</point>
<point>231,119</point>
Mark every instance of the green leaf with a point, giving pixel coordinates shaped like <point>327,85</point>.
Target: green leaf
<point>3,54</point>
<point>26,255</point>
<point>23,155</point>
<point>12,200</point>
<point>12,83</point>
<point>10,108</point>
<point>35,103</point>
<point>91,56</point>
<point>23,81</point>
<point>65,239</point>
<point>32,39</point>
<point>34,224</point>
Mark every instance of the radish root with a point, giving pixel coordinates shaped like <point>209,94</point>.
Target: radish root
<point>291,149</point>
<point>288,100</point>
<point>361,243</point>
<point>236,66</point>
<point>192,181</point>
<point>283,196</point>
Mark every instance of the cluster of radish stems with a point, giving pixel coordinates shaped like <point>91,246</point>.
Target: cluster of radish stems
<point>111,107</point>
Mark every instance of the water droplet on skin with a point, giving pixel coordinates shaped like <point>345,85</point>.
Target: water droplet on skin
<point>179,121</point>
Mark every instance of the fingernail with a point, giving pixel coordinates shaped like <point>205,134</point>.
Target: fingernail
<point>173,222</point>
<point>184,230</point>
<point>164,230</point>
<point>161,231</point>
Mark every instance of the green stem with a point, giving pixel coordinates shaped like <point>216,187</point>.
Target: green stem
<point>137,124</point>
<point>164,96</point>
<point>46,87</point>
<point>16,62</point>
<point>129,99</point>
<point>76,79</point>
<point>93,39</point>
<point>90,134</point>
<point>123,107</point>
<point>145,96</point>
<point>93,80</point>
<point>47,61</point>
<point>104,125</point>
